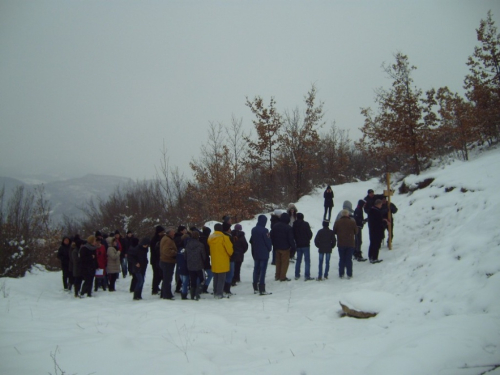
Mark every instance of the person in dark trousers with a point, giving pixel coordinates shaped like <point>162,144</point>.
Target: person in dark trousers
<point>88,264</point>
<point>275,218</point>
<point>64,255</point>
<point>345,228</point>
<point>376,230</point>
<point>385,215</point>
<point>76,266</point>
<point>261,247</point>
<point>181,231</point>
<point>120,246</point>
<point>113,263</point>
<point>226,229</point>
<point>138,261</point>
<point>195,256</point>
<point>102,260</point>
<point>283,242</point>
<point>360,222</point>
<point>325,241</point>
<point>221,249</point>
<point>240,247</point>
<point>328,195</point>
<point>302,235</point>
<point>168,253</point>
<point>182,266</point>
<point>154,245</point>
<point>131,242</point>
<point>207,266</point>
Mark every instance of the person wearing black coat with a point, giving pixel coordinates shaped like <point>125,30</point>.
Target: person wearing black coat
<point>325,241</point>
<point>88,264</point>
<point>370,200</point>
<point>205,233</point>
<point>76,266</point>
<point>328,195</point>
<point>138,261</point>
<point>360,222</point>
<point>261,246</point>
<point>154,245</point>
<point>132,242</point>
<point>179,242</point>
<point>283,242</point>
<point>64,254</point>
<point>275,218</point>
<point>195,258</point>
<point>376,230</point>
<point>302,235</point>
<point>240,247</point>
<point>385,215</point>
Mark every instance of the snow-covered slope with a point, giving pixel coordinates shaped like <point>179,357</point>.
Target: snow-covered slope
<point>436,293</point>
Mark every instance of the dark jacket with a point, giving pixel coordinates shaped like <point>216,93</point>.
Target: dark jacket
<point>205,233</point>
<point>75,261</point>
<point>260,240</point>
<point>282,235</point>
<point>358,214</point>
<point>370,201</point>
<point>328,195</point>
<point>87,260</point>
<point>385,211</point>
<point>64,254</point>
<point>325,240</point>
<point>182,262</point>
<point>138,254</point>
<point>240,245</point>
<point>155,250</point>
<point>301,232</point>
<point>195,255</point>
<point>375,224</point>
<point>345,228</point>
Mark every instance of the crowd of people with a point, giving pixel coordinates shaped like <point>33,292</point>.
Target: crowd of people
<point>191,259</point>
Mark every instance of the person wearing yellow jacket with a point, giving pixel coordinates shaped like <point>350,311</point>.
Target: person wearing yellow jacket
<point>221,250</point>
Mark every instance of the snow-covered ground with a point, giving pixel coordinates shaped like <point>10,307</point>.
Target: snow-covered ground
<point>436,293</point>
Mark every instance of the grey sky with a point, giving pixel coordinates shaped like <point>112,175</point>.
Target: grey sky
<point>96,86</point>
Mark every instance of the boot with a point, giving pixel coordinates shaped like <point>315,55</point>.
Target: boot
<point>192,291</point>
<point>184,295</point>
<point>205,289</point>
<point>227,288</point>
<point>136,296</point>
<point>255,289</point>
<point>197,293</point>
<point>262,290</point>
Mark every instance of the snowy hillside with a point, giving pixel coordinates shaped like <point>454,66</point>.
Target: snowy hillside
<point>436,294</point>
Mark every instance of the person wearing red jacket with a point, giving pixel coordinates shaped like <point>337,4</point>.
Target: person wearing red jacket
<point>102,261</point>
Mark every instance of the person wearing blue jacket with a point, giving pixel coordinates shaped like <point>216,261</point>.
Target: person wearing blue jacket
<point>261,247</point>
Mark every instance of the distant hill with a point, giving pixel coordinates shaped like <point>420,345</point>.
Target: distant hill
<point>67,196</point>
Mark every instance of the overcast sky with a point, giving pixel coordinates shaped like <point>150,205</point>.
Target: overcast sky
<point>97,86</point>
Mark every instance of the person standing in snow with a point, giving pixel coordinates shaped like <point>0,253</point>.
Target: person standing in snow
<point>207,266</point>
<point>385,214</point>
<point>182,265</point>
<point>292,214</point>
<point>325,241</point>
<point>345,228</point>
<point>360,222</point>
<point>221,249</point>
<point>155,259</point>
<point>302,235</point>
<point>261,246</point>
<point>283,242</point>
<point>328,195</point>
<point>168,253</point>
<point>275,218</point>
<point>88,264</point>
<point>138,261</point>
<point>195,257</point>
<point>370,200</point>
<point>376,230</point>
<point>102,260</point>
<point>226,229</point>
<point>113,263</point>
<point>76,266</point>
<point>64,254</point>
<point>240,246</point>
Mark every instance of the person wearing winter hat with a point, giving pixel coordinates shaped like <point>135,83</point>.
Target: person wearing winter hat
<point>154,245</point>
<point>168,253</point>
<point>283,242</point>
<point>346,206</point>
<point>325,241</point>
<point>261,247</point>
<point>113,264</point>
<point>360,222</point>
<point>345,228</point>
<point>87,261</point>
<point>302,234</point>
<point>221,249</point>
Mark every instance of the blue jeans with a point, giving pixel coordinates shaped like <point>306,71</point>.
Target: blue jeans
<point>185,283</point>
<point>230,274</point>
<point>124,263</point>
<point>259,271</point>
<point>139,282</point>
<point>209,277</point>
<point>303,251</point>
<point>345,261</point>
<point>325,256</point>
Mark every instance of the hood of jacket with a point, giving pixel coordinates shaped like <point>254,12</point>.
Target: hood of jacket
<point>348,206</point>
<point>262,220</point>
<point>285,218</point>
